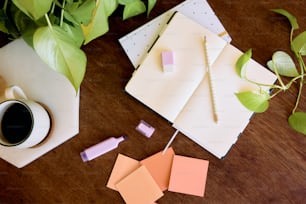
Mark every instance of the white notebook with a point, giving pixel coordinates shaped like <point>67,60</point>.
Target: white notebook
<point>137,42</point>
<point>183,96</point>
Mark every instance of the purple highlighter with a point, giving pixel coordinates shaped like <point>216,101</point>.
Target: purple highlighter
<point>101,148</point>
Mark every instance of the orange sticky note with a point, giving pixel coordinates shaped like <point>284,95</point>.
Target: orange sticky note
<point>188,175</point>
<point>123,166</point>
<point>159,166</point>
<point>139,187</point>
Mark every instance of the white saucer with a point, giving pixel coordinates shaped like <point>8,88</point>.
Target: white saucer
<point>19,65</point>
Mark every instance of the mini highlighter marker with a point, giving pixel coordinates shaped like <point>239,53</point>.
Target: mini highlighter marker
<point>101,148</point>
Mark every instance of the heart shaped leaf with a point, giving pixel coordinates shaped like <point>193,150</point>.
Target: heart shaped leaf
<point>35,9</point>
<point>110,6</point>
<point>75,33</point>
<point>98,24</point>
<point>283,63</point>
<point>254,101</point>
<point>241,63</point>
<point>80,12</point>
<point>290,17</point>
<point>60,52</point>
<point>299,44</point>
<point>297,121</point>
<point>151,4</point>
<point>133,9</point>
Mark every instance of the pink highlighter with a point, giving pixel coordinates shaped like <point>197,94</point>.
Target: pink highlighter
<point>101,148</point>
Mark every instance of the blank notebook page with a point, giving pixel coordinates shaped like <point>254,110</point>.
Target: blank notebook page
<point>196,119</point>
<point>167,93</point>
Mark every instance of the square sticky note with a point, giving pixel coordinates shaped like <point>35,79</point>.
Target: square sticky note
<point>159,166</point>
<point>188,175</point>
<point>123,166</point>
<point>139,187</point>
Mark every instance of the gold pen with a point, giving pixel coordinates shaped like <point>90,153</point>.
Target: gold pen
<point>210,81</point>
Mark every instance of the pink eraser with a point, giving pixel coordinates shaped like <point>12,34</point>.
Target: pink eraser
<point>168,61</point>
<point>145,129</point>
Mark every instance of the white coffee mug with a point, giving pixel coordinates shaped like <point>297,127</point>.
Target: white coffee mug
<point>23,123</point>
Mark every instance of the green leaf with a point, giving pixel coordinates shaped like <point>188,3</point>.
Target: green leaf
<point>151,4</point>
<point>58,50</point>
<point>35,9</point>
<point>7,25</point>
<point>75,33</point>
<point>254,101</point>
<point>24,24</point>
<point>21,20</point>
<point>126,2</point>
<point>133,9</point>
<point>110,6</point>
<point>297,121</point>
<point>290,17</point>
<point>98,24</point>
<point>3,20</point>
<point>283,63</point>
<point>241,63</point>
<point>299,44</point>
<point>80,12</point>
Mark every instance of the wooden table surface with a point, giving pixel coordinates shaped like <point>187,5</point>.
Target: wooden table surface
<point>266,165</point>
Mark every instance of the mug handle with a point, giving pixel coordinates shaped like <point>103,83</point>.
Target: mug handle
<point>14,92</point>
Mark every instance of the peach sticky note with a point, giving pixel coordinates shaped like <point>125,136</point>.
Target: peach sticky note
<point>159,166</point>
<point>139,187</point>
<point>188,175</point>
<point>123,166</point>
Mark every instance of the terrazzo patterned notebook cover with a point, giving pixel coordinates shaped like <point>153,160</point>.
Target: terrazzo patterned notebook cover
<point>137,43</point>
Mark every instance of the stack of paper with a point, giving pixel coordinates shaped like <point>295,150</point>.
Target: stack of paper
<point>144,181</point>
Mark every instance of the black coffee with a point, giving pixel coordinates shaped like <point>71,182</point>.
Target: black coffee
<point>16,123</point>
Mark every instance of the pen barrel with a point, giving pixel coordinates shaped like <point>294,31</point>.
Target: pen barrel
<point>213,95</point>
<point>210,81</point>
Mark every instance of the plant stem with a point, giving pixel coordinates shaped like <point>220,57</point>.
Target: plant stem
<point>302,66</point>
<point>48,21</point>
<point>53,7</point>
<point>291,35</point>
<point>5,5</point>
<point>268,85</point>
<point>288,85</point>
<point>62,13</point>
<point>278,76</point>
<point>277,92</point>
<point>296,78</point>
<point>298,97</point>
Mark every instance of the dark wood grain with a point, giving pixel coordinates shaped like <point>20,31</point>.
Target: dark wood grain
<point>266,165</point>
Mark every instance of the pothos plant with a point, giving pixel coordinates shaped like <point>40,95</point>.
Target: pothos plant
<point>56,29</point>
<point>282,65</point>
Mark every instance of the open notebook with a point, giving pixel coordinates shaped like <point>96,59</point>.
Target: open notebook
<point>183,96</point>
